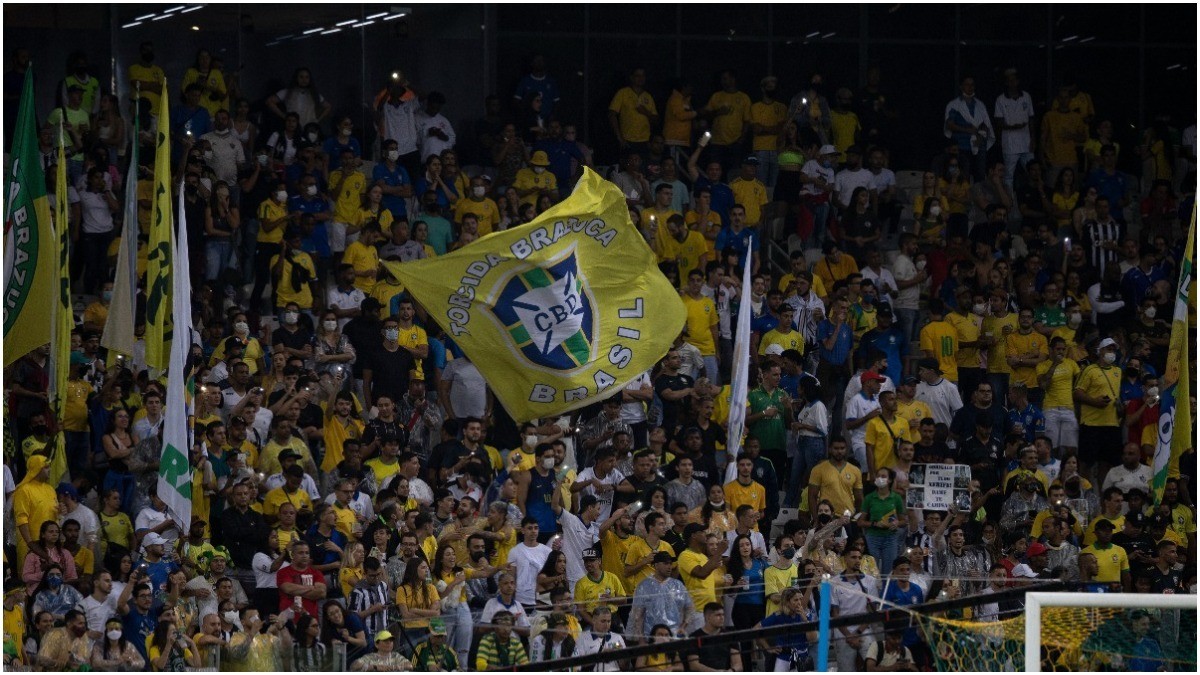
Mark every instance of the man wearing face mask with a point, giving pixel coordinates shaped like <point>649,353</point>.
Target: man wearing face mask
<point>478,203</point>
<point>228,155</point>
<point>1097,393</point>
<point>291,337</point>
<point>388,365</point>
<point>147,76</point>
<point>535,181</point>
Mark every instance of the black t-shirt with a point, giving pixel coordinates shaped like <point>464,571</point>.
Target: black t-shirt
<point>1169,583</point>
<point>389,372</point>
<point>704,469</point>
<point>983,458</point>
<point>935,453</point>
<point>1143,544</point>
<point>364,336</point>
<point>292,340</point>
<point>672,410</point>
<point>715,656</point>
<point>642,488</point>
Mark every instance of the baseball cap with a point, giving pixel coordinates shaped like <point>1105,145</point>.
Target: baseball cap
<point>911,379</point>
<point>69,490</point>
<point>384,635</point>
<point>437,626</point>
<point>540,158</point>
<point>1106,342</point>
<point>751,160</point>
<point>869,375</point>
<point>288,453</point>
<point>663,557</point>
<point>1104,523</point>
<point>883,309</point>
<point>828,149</point>
<point>154,538</point>
<point>591,554</point>
<point>931,364</point>
<point>1135,519</point>
<point>1024,571</point>
<point>1036,548</point>
<point>775,350</point>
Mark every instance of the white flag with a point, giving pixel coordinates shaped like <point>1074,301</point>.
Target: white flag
<point>175,471</point>
<point>740,373</point>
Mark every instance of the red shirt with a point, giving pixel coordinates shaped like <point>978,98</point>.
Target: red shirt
<point>290,575</point>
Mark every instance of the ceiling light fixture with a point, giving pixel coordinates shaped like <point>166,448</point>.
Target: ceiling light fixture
<point>347,22</point>
<point>361,24</point>
<point>828,35</point>
<point>1087,39</point>
<point>331,31</point>
<point>176,8</point>
<point>395,16</point>
<point>376,16</point>
<point>813,34</point>
<point>131,24</point>
<point>145,16</point>
<point>310,31</point>
<point>1068,39</point>
<point>161,17</point>
<point>195,27</point>
<point>192,9</point>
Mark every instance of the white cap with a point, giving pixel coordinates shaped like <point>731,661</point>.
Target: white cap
<point>775,350</point>
<point>828,149</point>
<point>1106,342</point>
<point>153,538</point>
<point>1024,571</point>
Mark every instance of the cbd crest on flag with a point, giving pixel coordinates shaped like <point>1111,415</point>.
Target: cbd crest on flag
<point>558,312</point>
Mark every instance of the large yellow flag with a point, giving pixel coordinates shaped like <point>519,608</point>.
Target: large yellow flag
<point>158,258</point>
<point>1175,410</point>
<point>559,312</point>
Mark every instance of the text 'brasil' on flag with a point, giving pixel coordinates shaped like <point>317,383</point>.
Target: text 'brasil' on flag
<point>1175,413</point>
<point>556,313</point>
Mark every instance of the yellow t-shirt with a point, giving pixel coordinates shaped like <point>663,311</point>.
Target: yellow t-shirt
<point>1098,381</point>
<point>75,413</point>
<point>883,442</point>
<point>268,460</point>
<point>775,580</point>
<point>1183,523</point>
<point>818,286</point>
<point>701,317</point>
<point>831,273</point>
<point>346,518</point>
<point>940,339</point>
<point>968,328</point>
<point>1111,560</point>
<point>634,126</point>
<point>728,128</point>
<point>588,592</point>
<point>836,486</point>
<point>993,326</point>
<point>215,81</point>
<point>348,201</point>
<point>1016,343</point>
<point>754,495</point>
<point>704,590</point>
<point>271,210</point>
<point>363,258</point>
<point>613,549</point>
<point>412,338</point>
<point>844,127</point>
<point>913,410</point>
<point>1089,535</point>
<point>1058,126</point>
<point>635,552</point>
<point>14,627</point>
<point>692,220</point>
<point>407,596</point>
<point>486,211</point>
<point>382,471</point>
<point>500,555</point>
<point>151,73</point>
<point>528,179</point>
<point>278,497</point>
<point>383,217</point>
<point>792,339</point>
<point>1061,391</point>
<point>386,289</point>
<point>284,293</point>
<point>767,115</point>
<point>752,195</point>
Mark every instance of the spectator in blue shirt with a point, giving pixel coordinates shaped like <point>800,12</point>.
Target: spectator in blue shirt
<point>560,152</point>
<point>1110,183</point>
<point>1024,417</point>
<point>312,207</point>
<point>394,179</point>
<point>836,340</point>
<point>535,82</point>
<point>1139,280</point>
<point>737,236</point>
<point>887,338</point>
<point>189,121</point>
<point>722,194</point>
<point>334,145</point>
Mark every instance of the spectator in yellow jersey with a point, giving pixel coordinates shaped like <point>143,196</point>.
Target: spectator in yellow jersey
<point>1026,349</point>
<point>685,247</point>
<point>749,191</point>
<point>1056,378</point>
<point>631,113</point>
<point>536,180</point>
<point>1097,391</point>
<point>364,257</point>
<point>347,184</point>
<point>728,111</point>
<point>477,202</point>
<point>293,273</point>
<point>767,117</point>
<point>939,340</point>
<point>704,220</point>
<point>783,337</point>
<point>702,321</point>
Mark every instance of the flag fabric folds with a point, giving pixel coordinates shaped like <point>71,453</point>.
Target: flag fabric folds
<point>740,374</point>
<point>118,334</point>
<point>64,317</point>
<point>174,469</point>
<point>1175,412</point>
<point>158,258</point>
<point>556,313</point>
<point>30,263</point>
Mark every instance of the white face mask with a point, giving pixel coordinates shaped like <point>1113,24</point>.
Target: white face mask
<point>920,265</point>
<point>114,634</point>
<point>935,210</point>
<point>391,334</point>
<point>531,440</point>
<point>312,137</point>
<point>881,483</point>
<point>1151,312</point>
<point>290,317</point>
<point>393,155</point>
<point>208,154</point>
<point>330,325</point>
<point>539,169</point>
<point>1074,320</point>
<point>262,160</point>
<point>241,327</point>
<point>281,196</point>
<point>1151,392</point>
<point>548,463</point>
<point>979,309</point>
<point>478,191</point>
<point>311,190</point>
<point>1109,357</point>
<point>345,131</point>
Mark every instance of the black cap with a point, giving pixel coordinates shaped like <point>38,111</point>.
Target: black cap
<point>1104,524</point>
<point>691,529</point>
<point>750,160</point>
<point>911,379</point>
<point>931,364</point>
<point>591,554</point>
<point>288,453</point>
<point>1135,519</point>
<point>883,309</point>
<point>828,246</point>
<point>663,557</point>
<point>1158,520</point>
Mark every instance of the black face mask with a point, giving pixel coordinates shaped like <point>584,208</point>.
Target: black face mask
<point>39,429</point>
<point>478,555</point>
<point>148,57</point>
<point>824,519</point>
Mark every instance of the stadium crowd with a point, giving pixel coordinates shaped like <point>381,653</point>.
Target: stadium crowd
<point>361,500</point>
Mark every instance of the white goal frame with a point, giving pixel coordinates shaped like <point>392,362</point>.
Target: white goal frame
<point>1034,602</point>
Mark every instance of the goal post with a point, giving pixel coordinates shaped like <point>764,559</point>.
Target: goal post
<point>1035,602</point>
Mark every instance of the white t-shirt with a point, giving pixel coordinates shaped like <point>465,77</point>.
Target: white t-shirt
<point>882,277</point>
<point>468,394</point>
<point>942,397</point>
<point>263,576</point>
<point>400,124</point>
<point>883,180</point>
<point>1015,111</point>
<point>903,269</point>
<point>432,145</point>
<point>634,412</point>
<point>528,561</point>
<point>859,406</point>
<point>95,215</point>
<point>576,537</point>
<point>812,168</point>
<point>89,522</point>
<point>613,478</point>
<point>588,644</point>
<point>98,612</point>
<point>847,181</point>
<point>335,297</point>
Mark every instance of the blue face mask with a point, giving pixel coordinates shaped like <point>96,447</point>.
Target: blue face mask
<point>54,582</point>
